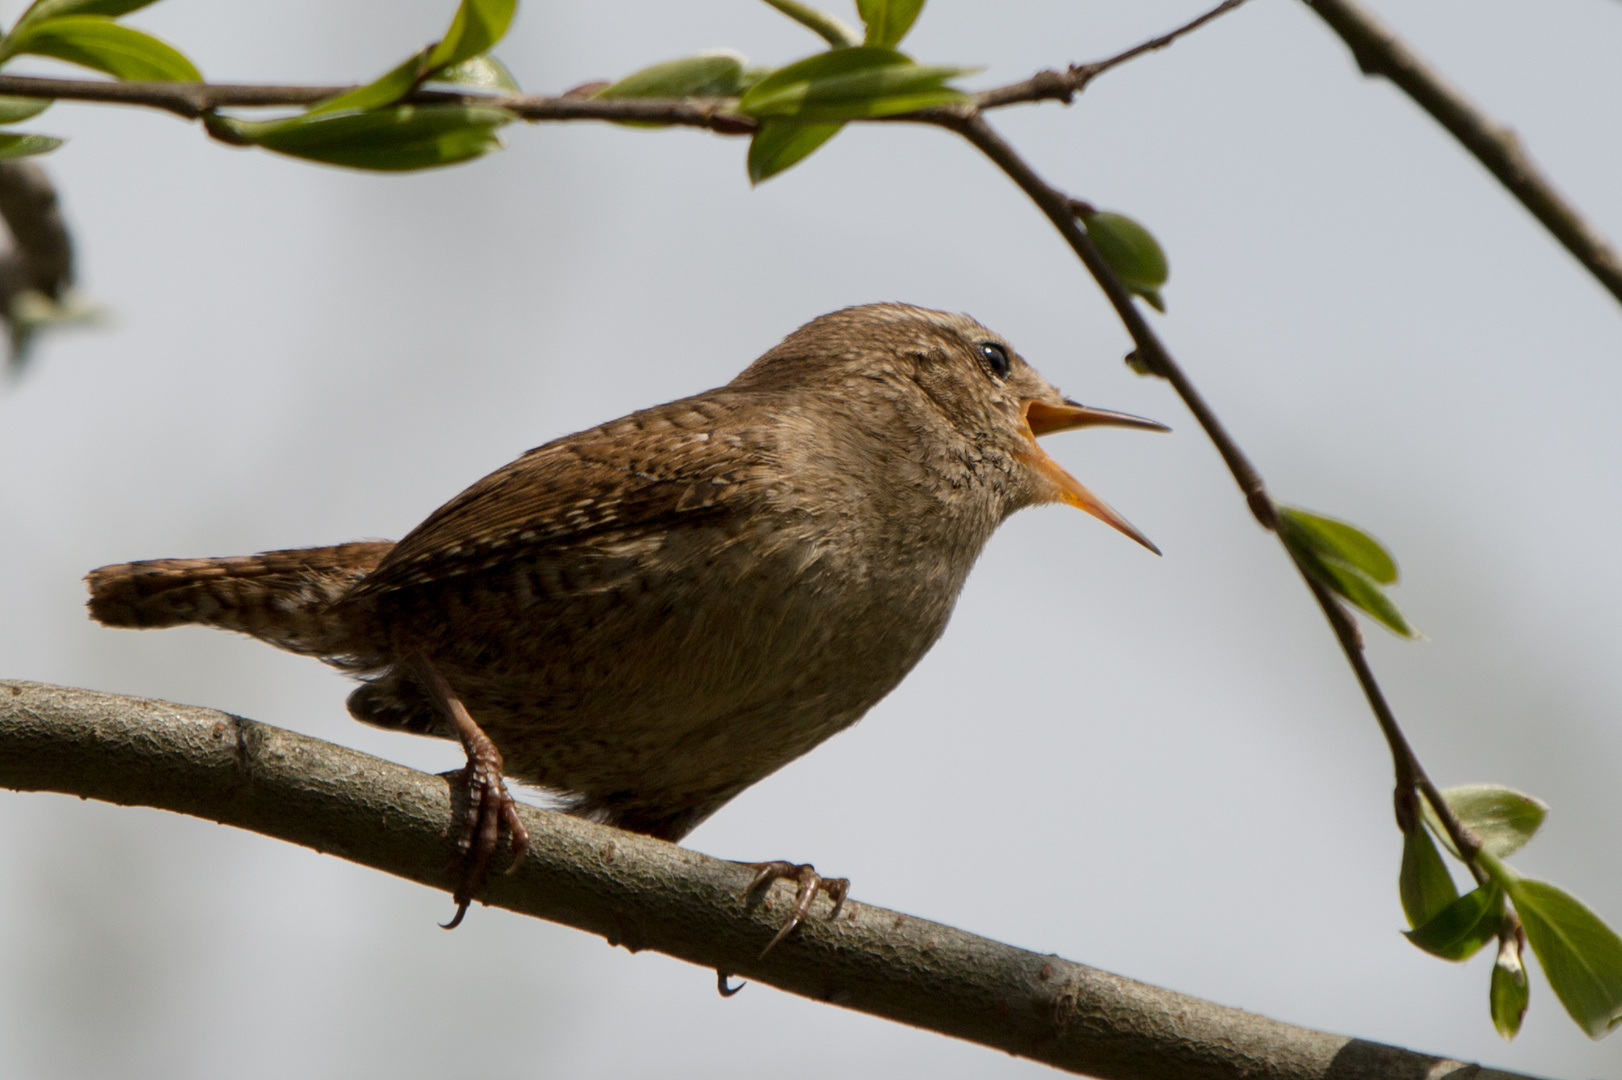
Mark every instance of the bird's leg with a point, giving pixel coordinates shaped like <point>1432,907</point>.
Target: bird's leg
<point>489,803</point>
<point>810,883</point>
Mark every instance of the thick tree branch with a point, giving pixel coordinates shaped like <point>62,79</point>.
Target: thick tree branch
<point>643,893</point>
<point>1378,51</point>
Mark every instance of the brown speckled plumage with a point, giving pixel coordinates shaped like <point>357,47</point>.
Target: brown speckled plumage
<point>652,615</point>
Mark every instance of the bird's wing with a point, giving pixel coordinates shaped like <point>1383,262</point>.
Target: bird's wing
<point>651,471</point>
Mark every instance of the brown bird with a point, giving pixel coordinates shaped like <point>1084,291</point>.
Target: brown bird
<point>649,616</point>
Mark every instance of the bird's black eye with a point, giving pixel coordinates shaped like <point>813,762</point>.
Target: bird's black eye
<point>996,359</point>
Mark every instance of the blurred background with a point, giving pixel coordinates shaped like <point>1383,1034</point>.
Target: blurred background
<point>1161,767</point>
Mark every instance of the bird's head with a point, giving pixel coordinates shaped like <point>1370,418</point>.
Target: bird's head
<point>958,389</point>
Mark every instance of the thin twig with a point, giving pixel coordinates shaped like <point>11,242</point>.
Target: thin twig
<point>192,100</point>
<point>1063,85</point>
<point>187,99</point>
<point>1057,207</point>
<point>1061,211</point>
<point>1378,51</point>
<point>644,893</point>
<point>1411,775</point>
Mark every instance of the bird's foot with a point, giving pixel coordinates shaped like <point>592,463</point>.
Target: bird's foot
<point>810,884</point>
<point>489,803</point>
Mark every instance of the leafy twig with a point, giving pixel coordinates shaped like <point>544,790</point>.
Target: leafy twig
<point>1153,355</point>
<point>192,100</point>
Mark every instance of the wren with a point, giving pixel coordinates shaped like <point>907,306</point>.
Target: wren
<point>649,616</point>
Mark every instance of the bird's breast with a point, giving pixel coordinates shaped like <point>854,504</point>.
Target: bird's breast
<point>713,651</point>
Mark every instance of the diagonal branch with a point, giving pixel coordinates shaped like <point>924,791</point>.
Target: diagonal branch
<point>644,893</point>
<point>1061,211</point>
<point>1151,351</point>
<point>1379,51</point>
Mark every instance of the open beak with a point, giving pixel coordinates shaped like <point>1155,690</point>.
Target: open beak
<point>1043,419</point>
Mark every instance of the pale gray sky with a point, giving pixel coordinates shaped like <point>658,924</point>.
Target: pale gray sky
<point>1158,766</point>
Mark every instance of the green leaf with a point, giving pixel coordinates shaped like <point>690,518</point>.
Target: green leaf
<point>1504,818</point>
<point>482,72</point>
<point>1325,555</point>
<point>1132,252</point>
<point>1364,594</point>
<point>751,77</point>
<point>1345,543</point>
<point>478,25</point>
<point>1580,954</point>
<point>1459,930</point>
<point>888,20</point>
<point>777,146</point>
<point>1509,992</point>
<point>16,145</point>
<point>718,73</point>
<point>41,10</point>
<point>1424,884</point>
<point>849,84</point>
<point>383,91</point>
<point>395,139</point>
<point>95,41</point>
<point>13,109</point>
<point>836,32</point>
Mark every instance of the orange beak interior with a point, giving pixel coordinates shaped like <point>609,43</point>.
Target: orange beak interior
<point>1043,419</point>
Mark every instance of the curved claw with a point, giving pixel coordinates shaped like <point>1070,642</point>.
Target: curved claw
<point>721,978</point>
<point>456,920</point>
<point>810,883</point>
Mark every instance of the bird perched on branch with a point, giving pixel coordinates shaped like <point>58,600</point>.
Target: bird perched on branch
<point>649,616</point>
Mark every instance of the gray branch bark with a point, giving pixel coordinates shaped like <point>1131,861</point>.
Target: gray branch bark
<point>646,894</point>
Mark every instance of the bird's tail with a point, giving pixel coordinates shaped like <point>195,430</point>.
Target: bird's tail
<point>281,597</point>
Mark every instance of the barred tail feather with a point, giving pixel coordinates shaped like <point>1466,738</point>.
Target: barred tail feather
<point>276,596</point>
